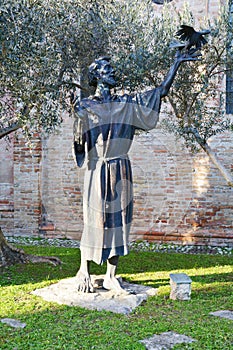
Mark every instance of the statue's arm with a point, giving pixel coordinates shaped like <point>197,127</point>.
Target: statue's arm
<point>179,58</point>
<point>167,83</point>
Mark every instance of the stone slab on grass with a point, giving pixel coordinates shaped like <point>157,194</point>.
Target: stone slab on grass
<point>223,313</point>
<point>65,292</point>
<point>13,323</point>
<point>165,341</point>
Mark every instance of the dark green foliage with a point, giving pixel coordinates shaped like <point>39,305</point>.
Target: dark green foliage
<point>43,46</point>
<point>46,45</point>
<point>198,97</point>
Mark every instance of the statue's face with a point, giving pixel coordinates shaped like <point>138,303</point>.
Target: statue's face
<point>107,74</point>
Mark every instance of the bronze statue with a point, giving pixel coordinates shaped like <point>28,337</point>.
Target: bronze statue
<point>104,129</point>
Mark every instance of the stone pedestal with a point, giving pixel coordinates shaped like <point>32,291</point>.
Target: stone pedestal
<point>65,292</point>
<point>180,286</point>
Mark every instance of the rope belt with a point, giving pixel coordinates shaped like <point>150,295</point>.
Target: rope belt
<point>105,161</point>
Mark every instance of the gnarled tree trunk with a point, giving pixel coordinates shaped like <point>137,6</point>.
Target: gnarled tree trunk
<point>213,157</point>
<point>10,255</point>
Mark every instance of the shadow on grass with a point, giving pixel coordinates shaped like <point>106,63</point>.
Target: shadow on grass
<point>60,327</point>
<point>198,280</point>
<point>134,263</point>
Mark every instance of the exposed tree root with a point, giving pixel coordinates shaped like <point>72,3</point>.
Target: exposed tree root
<point>10,255</point>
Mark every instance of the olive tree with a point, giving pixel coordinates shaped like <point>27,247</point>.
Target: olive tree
<point>143,54</point>
<point>142,50</point>
<point>198,98</point>
<point>44,45</point>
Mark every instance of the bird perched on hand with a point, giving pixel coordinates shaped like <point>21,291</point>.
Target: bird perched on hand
<point>192,37</point>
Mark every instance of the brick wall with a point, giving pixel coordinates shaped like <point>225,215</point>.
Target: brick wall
<point>6,186</point>
<point>178,197</point>
<point>27,207</point>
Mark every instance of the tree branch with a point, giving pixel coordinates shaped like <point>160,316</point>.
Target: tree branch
<point>213,157</point>
<point>225,173</point>
<point>173,106</point>
<point>9,129</point>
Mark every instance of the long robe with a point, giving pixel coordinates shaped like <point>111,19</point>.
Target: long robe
<point>103,134</point>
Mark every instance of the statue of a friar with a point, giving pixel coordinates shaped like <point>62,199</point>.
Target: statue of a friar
<point>104,128</point>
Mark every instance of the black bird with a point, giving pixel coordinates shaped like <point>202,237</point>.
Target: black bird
<point>191,37</point>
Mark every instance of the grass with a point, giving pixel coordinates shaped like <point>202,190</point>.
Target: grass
<point>53,326</point>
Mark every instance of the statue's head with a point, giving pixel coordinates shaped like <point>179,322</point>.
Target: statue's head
<point>101,69</point>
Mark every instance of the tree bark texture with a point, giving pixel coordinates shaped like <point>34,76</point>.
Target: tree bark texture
<point>9,129</point>
<point>213,157</point>
<point>224,172</point>
<point>10,255</point>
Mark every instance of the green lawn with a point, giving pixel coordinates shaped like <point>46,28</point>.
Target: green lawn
<point>52,326</point>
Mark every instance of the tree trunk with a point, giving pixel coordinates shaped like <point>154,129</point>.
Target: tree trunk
<point>227,176</point>
<point>9,129</point>
<point>213,157</point>
<point>10,255</point>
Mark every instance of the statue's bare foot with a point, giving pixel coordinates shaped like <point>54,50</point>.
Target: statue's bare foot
<point>112,283</point>
<point>84,284</point>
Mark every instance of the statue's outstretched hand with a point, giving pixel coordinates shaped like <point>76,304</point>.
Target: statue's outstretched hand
<point>188,56</point>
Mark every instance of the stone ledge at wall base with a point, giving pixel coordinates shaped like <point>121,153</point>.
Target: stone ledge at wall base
<point>136,245</point>
<point>180,286</point>
<point>50,231</point>
<point>207,236</point>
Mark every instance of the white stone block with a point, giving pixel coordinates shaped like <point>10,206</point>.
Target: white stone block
<point>180,286</point>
